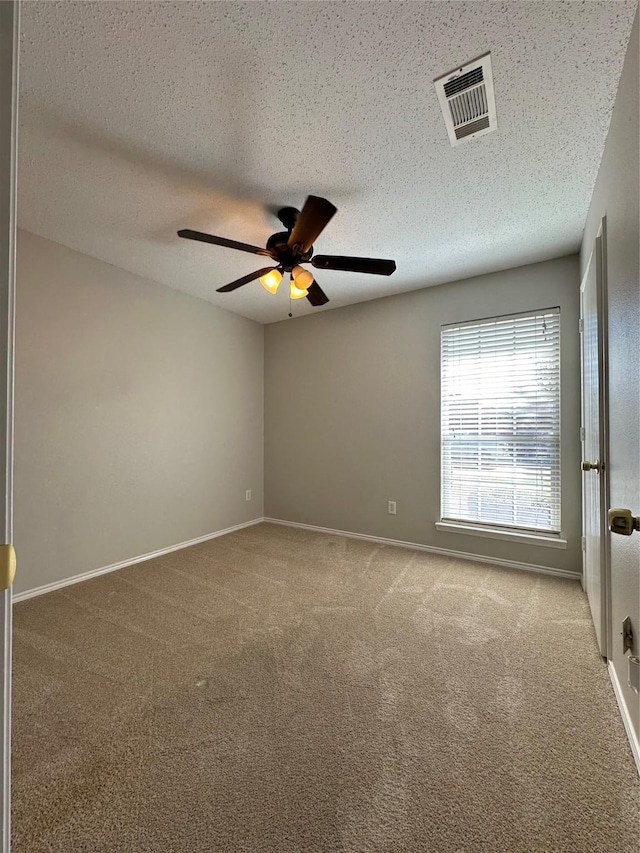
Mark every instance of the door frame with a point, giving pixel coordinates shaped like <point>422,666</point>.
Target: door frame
<point>599,256</point>
<point>9,60</point>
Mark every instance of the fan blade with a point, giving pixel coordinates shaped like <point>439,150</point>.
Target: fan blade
<point>316,295</point>
<point>313,219</point>
<point>222,241</point>
<point>376,266</point>
<point>244,280</point>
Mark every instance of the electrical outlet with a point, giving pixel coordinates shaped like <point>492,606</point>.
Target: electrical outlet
<point>247,495</point>
<point>391,507</point>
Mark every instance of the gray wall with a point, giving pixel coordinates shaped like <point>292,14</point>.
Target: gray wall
<point>616,196</point>
<point>139,415</point>
<point>352,414</point>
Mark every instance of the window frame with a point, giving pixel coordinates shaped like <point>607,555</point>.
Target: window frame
<point>496,529</point>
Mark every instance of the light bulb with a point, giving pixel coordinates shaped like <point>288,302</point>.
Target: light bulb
<point>271,280</point>
<point>296,292</point>
<point>302,277</point>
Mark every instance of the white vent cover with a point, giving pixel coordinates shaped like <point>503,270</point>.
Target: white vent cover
<point>467,100</point>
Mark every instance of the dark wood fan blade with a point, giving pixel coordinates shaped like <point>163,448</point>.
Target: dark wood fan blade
<point>376,266</point>
<point>188,234</point>
<point>316,295</point>
<point>313,219</point>
<point>244,280</point>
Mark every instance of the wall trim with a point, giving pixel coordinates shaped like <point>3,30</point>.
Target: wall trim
<point>51,587</point>
<point>547,541</point>
<point>510,564</point>
<point>494,561</point>
<point>624,713</point>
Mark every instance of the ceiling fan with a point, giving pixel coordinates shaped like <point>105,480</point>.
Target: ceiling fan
<point>291,248</point>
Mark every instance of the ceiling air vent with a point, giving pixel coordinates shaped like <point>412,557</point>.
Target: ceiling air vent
<point>467,100</point>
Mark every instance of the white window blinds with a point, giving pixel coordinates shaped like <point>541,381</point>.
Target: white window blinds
<point>501,421</point>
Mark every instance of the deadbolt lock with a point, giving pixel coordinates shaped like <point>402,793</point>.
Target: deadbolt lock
<point>621,521</point>
<point>591,466</point>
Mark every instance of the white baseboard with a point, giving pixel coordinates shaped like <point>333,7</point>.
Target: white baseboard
<point>50,587</point>
<point>431,549</point>
<point>624,713</point>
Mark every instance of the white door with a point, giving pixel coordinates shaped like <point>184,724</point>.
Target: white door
<point>9,25</point>
<point>594,462</point>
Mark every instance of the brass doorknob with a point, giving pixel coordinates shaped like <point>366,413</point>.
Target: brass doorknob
<point>591,466</point>
<point>622,521</point>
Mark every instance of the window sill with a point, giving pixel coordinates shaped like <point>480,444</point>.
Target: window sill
<point>527,538</point>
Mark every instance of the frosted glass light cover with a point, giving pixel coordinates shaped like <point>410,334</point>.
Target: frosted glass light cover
<point>296,292</point>
<point>302,277</point>
<point>271,281</point>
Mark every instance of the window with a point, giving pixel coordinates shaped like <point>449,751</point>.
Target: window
<point>501,422</point>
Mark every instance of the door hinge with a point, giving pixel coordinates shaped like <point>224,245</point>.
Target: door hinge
<point>7,566</point>
<point>581,325</point>
<point>581,433</point>
<point>583,543</point>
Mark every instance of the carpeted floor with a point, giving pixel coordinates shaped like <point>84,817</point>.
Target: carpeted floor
<point>285,691</point>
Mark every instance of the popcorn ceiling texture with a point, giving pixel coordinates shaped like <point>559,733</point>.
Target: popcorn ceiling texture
<point>285,691</point>
<point>141,118</point>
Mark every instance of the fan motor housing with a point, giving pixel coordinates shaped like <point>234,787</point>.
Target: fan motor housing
<point>286,255</point>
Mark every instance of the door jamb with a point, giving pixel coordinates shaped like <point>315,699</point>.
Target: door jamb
<point>603,406</point>
<point>600,252</point>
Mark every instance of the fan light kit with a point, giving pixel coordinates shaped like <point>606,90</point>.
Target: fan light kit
<point>292,248</point>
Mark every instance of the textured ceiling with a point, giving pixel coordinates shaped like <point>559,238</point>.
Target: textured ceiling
<point>140,118</point>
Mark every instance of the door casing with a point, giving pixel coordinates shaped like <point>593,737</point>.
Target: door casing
<point>9,54</point>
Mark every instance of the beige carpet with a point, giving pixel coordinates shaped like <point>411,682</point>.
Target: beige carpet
<point>285,691</point>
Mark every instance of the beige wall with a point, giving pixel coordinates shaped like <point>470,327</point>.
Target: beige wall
<point>139,415</point>
<point>616,196</point>
<point>352,410</point>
